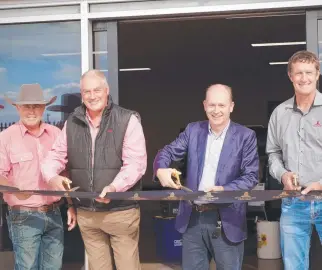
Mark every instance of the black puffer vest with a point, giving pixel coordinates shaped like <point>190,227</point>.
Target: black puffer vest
<point>107,154</point>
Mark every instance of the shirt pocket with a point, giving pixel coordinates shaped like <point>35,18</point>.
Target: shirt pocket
<point>21,158</point>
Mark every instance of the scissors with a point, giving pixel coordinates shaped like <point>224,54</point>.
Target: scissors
<point>186,189</point>
<point>296,182</point>
<point>73,189</point>
<point>176,175</point>
<point>68,188</point>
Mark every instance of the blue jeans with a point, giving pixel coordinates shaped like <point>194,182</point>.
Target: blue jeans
<point>297,220</point>
<point>199,245</point>
<point>37,239</point>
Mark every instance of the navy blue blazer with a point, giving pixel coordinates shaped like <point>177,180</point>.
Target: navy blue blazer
<point>238,169</point>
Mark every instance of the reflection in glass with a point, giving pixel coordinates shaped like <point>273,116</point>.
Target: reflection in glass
<point>100,50</point>
<point>44,53</point>
<point>100,61</point>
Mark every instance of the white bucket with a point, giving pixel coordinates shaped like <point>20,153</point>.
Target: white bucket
<point>268,240</point>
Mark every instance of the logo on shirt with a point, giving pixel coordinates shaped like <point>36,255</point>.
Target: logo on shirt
<point>109,130</point>
<point>317,124</point>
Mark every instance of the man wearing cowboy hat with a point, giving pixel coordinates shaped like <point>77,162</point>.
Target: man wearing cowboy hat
<point>34,222</point>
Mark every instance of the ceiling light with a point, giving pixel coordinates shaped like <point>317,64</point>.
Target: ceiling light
<point>279,44</point>
<point>282,63</point>
<point>135,69</point>
<point>278,63</point>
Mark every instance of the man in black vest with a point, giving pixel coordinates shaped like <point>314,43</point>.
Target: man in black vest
<point>102,145</point>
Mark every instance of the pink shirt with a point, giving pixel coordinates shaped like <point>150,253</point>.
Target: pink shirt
<point>21,154</point>
<point>133,155</point>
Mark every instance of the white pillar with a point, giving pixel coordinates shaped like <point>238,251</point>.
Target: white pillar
<point>86,38</point>
<point>87,58</point>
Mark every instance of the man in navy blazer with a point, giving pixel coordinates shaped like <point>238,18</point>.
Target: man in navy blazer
<point>222,156</point>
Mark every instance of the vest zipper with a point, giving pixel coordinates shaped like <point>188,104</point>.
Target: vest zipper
<point>90,164</point>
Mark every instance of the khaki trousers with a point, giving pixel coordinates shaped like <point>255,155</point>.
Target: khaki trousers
<point>111,237</point>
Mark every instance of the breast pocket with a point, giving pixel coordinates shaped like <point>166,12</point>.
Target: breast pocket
<point>23,170</point>
<point>21,158</point>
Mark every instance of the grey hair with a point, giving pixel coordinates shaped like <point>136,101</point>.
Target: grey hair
<point>95,73</point>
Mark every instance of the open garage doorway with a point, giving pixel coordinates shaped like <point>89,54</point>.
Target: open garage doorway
<point>179,58</point>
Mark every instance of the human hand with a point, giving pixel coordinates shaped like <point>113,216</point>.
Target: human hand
<point>71,218</point>
<point>289,180</point>
<point>60,183</point>
<point>215,188</point>
<point>312,186</point>
<point>165,177</point>
<point>105,190</point>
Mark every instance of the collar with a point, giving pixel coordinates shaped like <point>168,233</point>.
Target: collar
<point>291,103</point>
<point>318,99</point>
<point>24,130</point>
<point>89,119</point>
<point>222,134</point>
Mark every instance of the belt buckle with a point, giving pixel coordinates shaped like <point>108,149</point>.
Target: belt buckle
<point>46,208</point>
<point>43,208</point>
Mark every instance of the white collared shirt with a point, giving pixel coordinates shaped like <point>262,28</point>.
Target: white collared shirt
<point>213,151</point>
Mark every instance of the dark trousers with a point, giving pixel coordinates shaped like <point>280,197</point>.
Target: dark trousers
<point>200,245</point>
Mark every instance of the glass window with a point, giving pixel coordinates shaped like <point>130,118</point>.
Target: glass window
<point>105,54</point>
<point>44,53</point>
<point>320,43</point>
<point>100,51</point>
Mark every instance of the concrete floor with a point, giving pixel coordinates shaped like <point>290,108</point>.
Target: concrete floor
<point>74,251</point>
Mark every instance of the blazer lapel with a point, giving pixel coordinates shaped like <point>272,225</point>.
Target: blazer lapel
<point>202,142</point>
<point>226,151</point>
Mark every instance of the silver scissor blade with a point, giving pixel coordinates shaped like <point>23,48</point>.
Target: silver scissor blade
<point>185,189</point>
<point>74,189</point>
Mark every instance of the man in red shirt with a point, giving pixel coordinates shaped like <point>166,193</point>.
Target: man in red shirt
<point>34,222</point>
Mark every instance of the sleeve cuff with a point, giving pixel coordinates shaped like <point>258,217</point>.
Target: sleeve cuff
<point>49,177</point>
<point>118,188</point>
<point>280,173</point>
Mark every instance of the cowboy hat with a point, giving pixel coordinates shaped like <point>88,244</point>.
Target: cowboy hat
<point>30,94</point>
